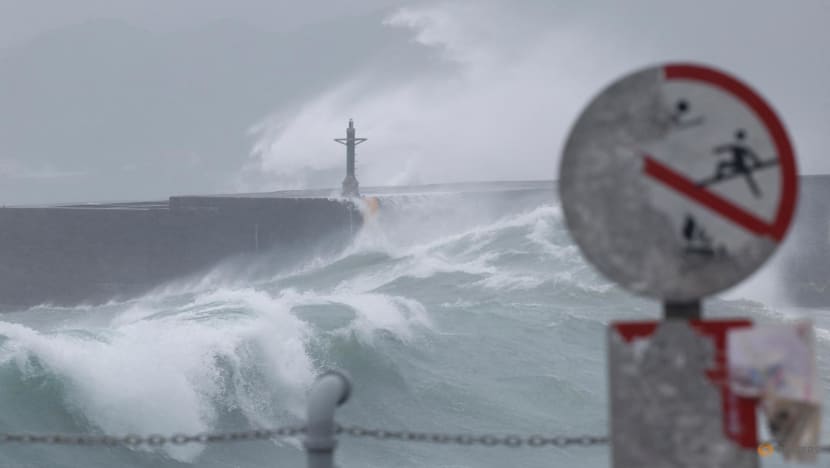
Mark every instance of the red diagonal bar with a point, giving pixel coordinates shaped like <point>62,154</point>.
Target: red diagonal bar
<point>783,147</point>
<point>709,199</point>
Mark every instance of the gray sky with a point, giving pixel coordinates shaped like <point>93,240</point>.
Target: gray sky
<point>118,99</point>
<point>22,20</point>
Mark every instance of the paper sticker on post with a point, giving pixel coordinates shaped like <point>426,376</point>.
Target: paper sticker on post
<point>678,181</point>
<point>777,363</point>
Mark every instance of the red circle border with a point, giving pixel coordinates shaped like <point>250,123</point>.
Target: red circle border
<point>786,154</point>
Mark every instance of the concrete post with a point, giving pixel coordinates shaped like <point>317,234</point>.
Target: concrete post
<point>331,390</point>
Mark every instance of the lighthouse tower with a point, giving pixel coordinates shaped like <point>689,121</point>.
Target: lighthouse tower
<point>350,186</point>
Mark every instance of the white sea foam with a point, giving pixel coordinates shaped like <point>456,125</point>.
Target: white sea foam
<point>152,373</point>
<point>474,253</point>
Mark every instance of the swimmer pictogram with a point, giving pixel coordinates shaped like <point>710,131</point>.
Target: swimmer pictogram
<point>680,117</point>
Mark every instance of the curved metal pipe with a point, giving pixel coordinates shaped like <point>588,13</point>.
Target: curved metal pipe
<point>331,390</point>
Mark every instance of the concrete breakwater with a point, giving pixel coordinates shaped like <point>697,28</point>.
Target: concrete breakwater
<point>804,259</point>
<point>92,253</point>
<point>67,255</point>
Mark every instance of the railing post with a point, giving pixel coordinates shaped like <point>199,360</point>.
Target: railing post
<point>331,390</point>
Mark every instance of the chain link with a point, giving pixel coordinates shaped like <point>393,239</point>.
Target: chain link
<point>152,440</point>
<point>469,439</point>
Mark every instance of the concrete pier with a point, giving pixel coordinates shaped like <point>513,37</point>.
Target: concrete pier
<point>73,254</point>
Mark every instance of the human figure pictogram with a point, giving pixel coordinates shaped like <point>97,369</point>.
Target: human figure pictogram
<point>742,161</point>
<point>697,241</point>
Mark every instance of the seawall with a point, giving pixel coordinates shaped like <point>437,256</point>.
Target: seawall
<point>66,255</point>
<point>804,266</point>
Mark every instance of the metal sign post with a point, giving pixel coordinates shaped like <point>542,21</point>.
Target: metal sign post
<point>677,182</point>
<point>682,310</point>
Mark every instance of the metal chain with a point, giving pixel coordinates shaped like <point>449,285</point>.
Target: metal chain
<point>468,439</point>
<point>153,439</point>
<point>514,441</point>
<point>264,434</point>
<point>489,440</point>
<point>778,448</point>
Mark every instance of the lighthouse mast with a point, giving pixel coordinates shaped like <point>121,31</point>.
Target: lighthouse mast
<point>350,184</point>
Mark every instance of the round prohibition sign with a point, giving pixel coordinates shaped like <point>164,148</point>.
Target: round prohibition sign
<point>678,181</point>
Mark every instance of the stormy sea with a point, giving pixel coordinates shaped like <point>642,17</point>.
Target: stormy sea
<point>452,313</point>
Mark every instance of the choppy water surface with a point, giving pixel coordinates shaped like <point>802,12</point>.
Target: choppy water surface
<point>450,316</point>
